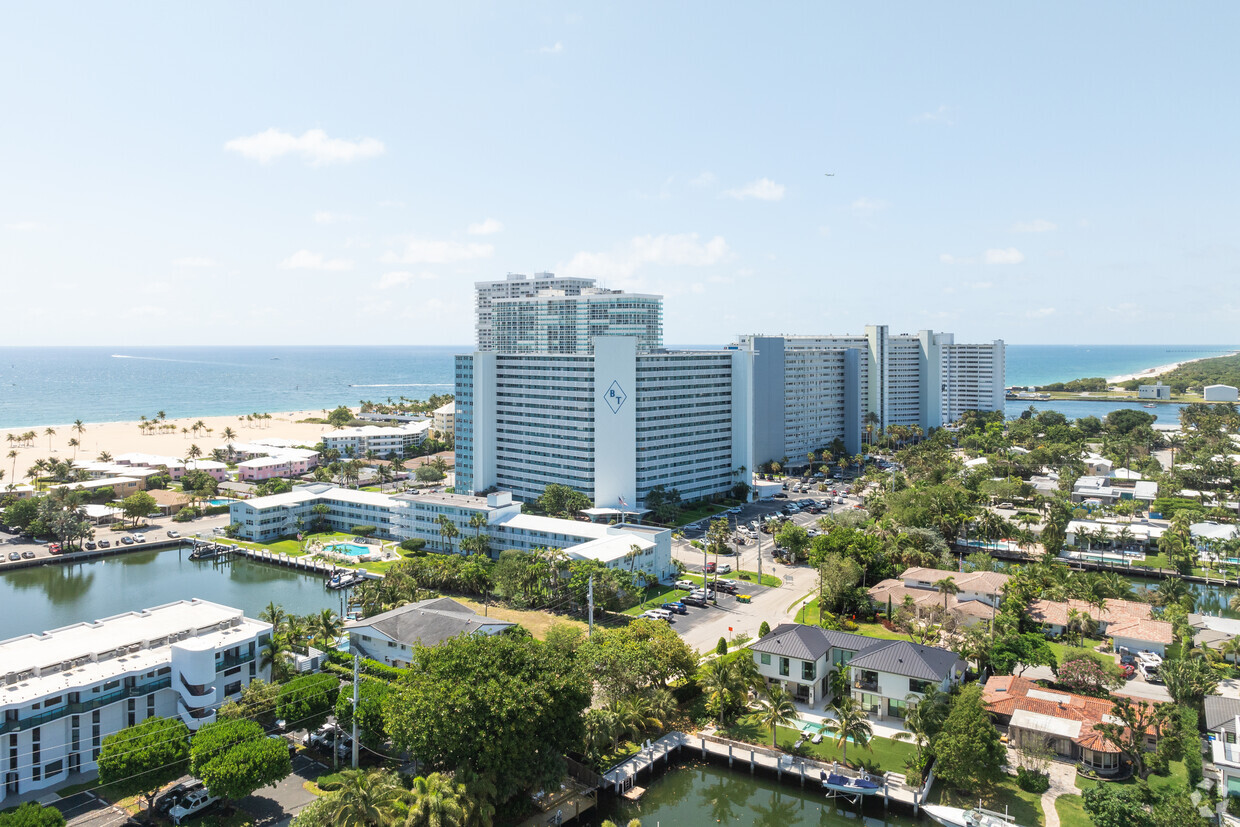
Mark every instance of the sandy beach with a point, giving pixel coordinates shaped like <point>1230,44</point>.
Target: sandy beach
<point>1150,373</point>
<point>125,437</point>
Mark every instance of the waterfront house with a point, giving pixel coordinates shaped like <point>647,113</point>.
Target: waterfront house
<point>986,586</point>
<point>1107,491</point>
<point>882,673</point>
<point>67,689</point>
<point>1063,720</point>
<point>1157,391</point>
<point>1222,724</point>
<point>392,636</point>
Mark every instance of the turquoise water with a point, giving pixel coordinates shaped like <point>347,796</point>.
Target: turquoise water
<point>351,549</point>
<point>221,501</point>
<point>50,385</point>
<point>1164,412</point>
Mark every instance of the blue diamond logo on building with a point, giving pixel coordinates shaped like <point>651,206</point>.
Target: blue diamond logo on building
<point>615,396</point>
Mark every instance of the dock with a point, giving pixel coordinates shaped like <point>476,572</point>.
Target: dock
<point>303,563</point>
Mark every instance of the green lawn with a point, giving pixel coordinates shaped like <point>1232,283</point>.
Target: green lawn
<point>768,580</point>
<point>1025,807</point>
<point>1176,779</point>
<point>887,754</point>
<point>654,597</point>
<point>809,614</point>
<point>293,548</point>
<point>1071,809</point>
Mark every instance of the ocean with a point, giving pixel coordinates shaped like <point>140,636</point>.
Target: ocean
<point>56,385</point>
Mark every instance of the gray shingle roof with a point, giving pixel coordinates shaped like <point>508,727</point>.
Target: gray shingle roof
<point>1221,713</point>
<point>428,622</point>
<point>796,640</point>
<point>898,657</point>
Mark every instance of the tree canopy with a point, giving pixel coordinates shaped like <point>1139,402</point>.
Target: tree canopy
<point>234,758</point>
<point>141,759</point>
<point>969,753</point>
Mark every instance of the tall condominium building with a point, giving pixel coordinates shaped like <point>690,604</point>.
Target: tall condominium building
<point>612,424</point>
<point>513,286</point>
<point>68,689</point>
<point>556,321</point>
<point>921,379</point>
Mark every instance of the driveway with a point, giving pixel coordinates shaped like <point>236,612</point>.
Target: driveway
<point>288,797</point>
<point>1133,689</point>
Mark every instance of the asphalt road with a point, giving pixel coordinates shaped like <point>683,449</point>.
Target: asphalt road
<point>156,529</point>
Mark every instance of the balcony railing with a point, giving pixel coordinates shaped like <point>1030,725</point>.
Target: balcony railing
<point>229,661</point>
<point>866,685</point>
<point>197,690</point>
<point>15,725</point>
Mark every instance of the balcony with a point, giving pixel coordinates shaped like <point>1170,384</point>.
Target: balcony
<point>41,718</point>
<point>866,682</point>
<point>229,661</point>
<point>197,690</point>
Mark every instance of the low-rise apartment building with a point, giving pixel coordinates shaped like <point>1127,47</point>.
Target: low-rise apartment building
<point>263,519</point>
<point>384,442</point>
<point>67,689</point>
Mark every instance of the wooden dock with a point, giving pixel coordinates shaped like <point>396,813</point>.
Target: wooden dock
<point>303,563</point>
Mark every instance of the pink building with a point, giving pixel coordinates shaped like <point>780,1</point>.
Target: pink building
<point>266,468</point>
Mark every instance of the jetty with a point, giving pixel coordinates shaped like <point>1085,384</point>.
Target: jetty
<point>214,549</point>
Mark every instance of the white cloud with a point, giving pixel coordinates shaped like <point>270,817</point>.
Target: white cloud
<point>682,250</point>
<point>402,277</point>
<point>1040,313</point>
<point>1037,225</point>
<point>306,260</point>
<point>426,251</point>
<point>1006,256</point>
<point>24,226</point>
<point>327,217</point>
<point>764,189</point>
<point>194,261</point>
<point>314,147</point>
<point>705,179</point>
<point>552,50</point>
<point>868,206</point>
<point>945,115</point>
<point>485,227</point>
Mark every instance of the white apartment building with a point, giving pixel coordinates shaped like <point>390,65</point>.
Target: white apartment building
<point>515,285</point>
<point>555,321</point>
<point>922,379</point>
<point>613,424</point>
<point>634,547</point>
<point>67,689</point>
<point>443,419</point>
<point>357,442</point>
<point>263,519</point>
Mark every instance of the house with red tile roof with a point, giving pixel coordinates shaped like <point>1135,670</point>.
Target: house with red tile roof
<point>1064,721</point>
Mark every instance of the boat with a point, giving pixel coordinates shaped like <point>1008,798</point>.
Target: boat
<point>344,580</point>
<point>975,817</point>
<point>852,786</point>
<point>1149,405</point>
<point>204,552</point>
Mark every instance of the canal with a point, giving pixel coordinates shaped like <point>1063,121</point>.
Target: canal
<point>696,792</point>
<point>58,594</point>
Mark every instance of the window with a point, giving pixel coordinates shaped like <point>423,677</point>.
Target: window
<point>54,768</point>
<point>921,687</point>
<point>896,709</point>
<point>807,670</point>
<point>111,685</point>
<point>783,667</point>
<point>766,659</point>
<point>232,688</point>
<point>841,657</point>
<point>1231,737</point>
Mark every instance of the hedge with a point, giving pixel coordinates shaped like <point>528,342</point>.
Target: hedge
<point>1192,745</point>
<point>367,666</point>
<point>213,510</point>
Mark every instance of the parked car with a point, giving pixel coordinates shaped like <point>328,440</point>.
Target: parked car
<point>105,544</point>
<point>687,585</point>
<point>710,568</point>
<point>173,797</point>
<point>1129,670</point>
<point>139,538</point>
<point>724,568</point>
<point>53,548</point>
<point>13,555</point>
<point>28,555</point>
<point>321,738</point>
<point>91,545</point>
<point>727,586</point>
<point>192,803</point>
<point>657,614</point>
<point>174,533</point>
<point>781,496</point>
<point>698,600</point>
<point>675,607</point>
<point>126,540</point>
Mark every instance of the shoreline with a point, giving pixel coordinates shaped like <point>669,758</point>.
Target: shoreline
<point>125,438</point>
<point>1150,373</point>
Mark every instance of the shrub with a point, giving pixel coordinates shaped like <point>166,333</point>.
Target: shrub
<point>1158,764</point>
<point>1191,742</point>
<point>413,544</point>
<point>1233,806</point>
<point>721,648</point>
<point>764,629</point>
<point>1032,782</point>
<point>185,515</point>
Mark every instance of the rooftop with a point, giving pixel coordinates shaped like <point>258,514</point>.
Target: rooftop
<point>427,622</point>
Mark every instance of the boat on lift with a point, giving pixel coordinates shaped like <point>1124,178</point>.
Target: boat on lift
<point>973,817</point>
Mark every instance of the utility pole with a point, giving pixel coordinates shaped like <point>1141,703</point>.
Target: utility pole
<point>356,661</point>
<point>590,603</point>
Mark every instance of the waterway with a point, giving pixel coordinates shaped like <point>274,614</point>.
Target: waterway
<point>58,594</point>
<point>699,793</point>
<point>1166,413</point>
<point>1213,599</point>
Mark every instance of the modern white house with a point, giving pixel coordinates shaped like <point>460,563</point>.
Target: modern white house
<point>1221,393</point>
<point>1157,391</point>
<point>65,690</point>
<point>882,673</point>
<point>1222,724</point>
<point>1108,491</point>
<point>391,637</point>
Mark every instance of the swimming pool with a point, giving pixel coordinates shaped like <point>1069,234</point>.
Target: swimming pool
<point>351,549</point>
<point>221,501</point>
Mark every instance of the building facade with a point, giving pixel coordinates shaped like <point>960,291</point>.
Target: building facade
<point>554,321</point>
<point>68,689</point>
<point>515,285</point>
<point>263,519</point>
<point>613,424</point>
<point>383,441</point>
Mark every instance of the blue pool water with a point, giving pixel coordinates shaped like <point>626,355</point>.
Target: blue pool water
<point>351,549</point>
<point>221,501</point>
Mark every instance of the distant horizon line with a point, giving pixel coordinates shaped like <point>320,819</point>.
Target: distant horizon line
<point>471,347</point>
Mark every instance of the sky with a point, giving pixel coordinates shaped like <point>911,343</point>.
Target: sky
<point>313,173</point>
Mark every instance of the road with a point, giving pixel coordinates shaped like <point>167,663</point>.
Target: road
<point>156,528</point>
<point>702,628</point>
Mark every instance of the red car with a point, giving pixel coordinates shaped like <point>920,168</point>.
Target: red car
<point>710,568</point>
<point>53,548</point>
<point>1129,670</point>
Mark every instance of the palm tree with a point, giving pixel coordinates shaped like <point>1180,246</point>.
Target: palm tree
<point>74,444</point>
<point>1231,647</point>
<point>272,657</point>
<point>448,530</point>
<point>776,709</point>
<point>923,719</point>
<point>275,615</point>
<point>104,456</point>
<point>850,724</point>
<point>367,798</point>
<point>13,456</point>
<point>945,587</point>
<point>327,627</point>
<point>722,687</point>
<point>79,427</point>
<point>194,452</point>
<point>49,432</point>
<point>435,801</point>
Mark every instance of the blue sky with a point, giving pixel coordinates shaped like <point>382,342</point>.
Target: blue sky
<point>315,173</point>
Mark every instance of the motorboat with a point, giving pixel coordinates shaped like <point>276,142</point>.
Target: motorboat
<point>974,817</point>
<point>344,579</point>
